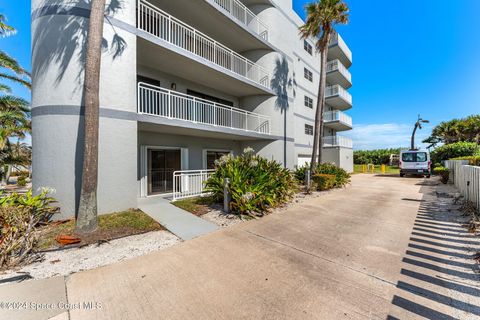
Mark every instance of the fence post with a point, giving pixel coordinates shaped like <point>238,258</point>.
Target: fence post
<point>226,195</point>
<point>308,180</point>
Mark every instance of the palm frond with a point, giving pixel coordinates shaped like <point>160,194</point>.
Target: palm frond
<point>5,88</point>
<point>9,102</point>
<point>5,29</point>
<point>16,79</point>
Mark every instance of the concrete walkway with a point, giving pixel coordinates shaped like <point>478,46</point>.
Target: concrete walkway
<point>385,248</point>
<point>183,224</point>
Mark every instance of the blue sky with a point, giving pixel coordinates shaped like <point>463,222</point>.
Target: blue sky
<point>409,57</point>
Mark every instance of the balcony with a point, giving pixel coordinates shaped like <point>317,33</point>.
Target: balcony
<point>337,141</point>
<point>338,97</point>
<point>159,102</point>
<point>338,49</point>
<point>161,25</point>
<point>338,74</point>
<point>337,120</point>
<point>245,16</point>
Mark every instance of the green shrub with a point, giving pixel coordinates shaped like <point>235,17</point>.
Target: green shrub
<point>300,172</point>
<point>324,181</point>
<point>342,177</point>
<point>379,156</point>
<point>20,215</point>
<point>472,160</point>
<point>443,172</point>
<point>256,184</point>
<point>455,150</point>
<point>21,181</point>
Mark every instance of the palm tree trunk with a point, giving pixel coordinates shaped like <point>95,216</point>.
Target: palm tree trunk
<point>318,131</point>
<point>87,211</point>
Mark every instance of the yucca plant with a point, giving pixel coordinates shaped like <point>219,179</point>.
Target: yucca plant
<point>256,184</point>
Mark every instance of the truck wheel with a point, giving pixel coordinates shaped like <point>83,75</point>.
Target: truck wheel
<point>402,175</point>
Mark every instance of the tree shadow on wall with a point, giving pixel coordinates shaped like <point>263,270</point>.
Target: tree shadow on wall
<point>282,82</point>
<point>59,44</point>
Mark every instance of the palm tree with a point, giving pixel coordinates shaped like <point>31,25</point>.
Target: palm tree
<point>322,16</point>
<point>87,220</point>
<point>5,29</point>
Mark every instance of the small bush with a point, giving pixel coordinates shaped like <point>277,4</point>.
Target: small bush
<point>256,184</point>
<point>342,177</point>
<point>455,150</point>
<point>20,216</point>
<point>472,160</point>
<point>443,172</point>
<point>324,181</point>
<point>300,172</point>
<point>21,181</point>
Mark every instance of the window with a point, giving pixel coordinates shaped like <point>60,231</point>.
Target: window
<point>308,102</point>
<point>308,130</point>
<point>414,157</point>
<point>212,156</point>
<point>307,46</point>
<point>308,74</point>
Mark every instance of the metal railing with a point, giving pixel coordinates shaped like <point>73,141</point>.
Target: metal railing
<point>163,26</point>
<point>335,65</point>
<point>336,115</point>
<point>189,183</point>
<point>466,178</point>
<point>239,11</point>
<point>338,40</point>
<point>338,90</point>
<point>157,101</point>
<point>337,141</point>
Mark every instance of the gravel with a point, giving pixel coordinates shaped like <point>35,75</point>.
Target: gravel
<point>67,261</point>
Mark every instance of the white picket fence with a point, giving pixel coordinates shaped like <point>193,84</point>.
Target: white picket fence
<point>466,178</point>
<point>189,183</point>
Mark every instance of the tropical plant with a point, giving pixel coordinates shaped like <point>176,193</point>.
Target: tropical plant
<point>455,150</point>
<point>322,16</point>
<point>324,181</point>
<point>87,217</point>
<point>456,130</point>
<point>14,111</point>
<point>256,184</point>
<point>20,216</point>
<point>342,177</point>
<point>443,172</point>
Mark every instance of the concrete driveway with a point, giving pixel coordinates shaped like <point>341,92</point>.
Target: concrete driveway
<point>384,248</point>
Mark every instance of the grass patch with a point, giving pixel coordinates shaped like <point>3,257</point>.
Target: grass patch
<point>358,168</point>
<point>110,226</point>
<point>197,206</point>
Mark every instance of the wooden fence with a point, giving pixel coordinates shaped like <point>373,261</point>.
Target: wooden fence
<point>466,178</point>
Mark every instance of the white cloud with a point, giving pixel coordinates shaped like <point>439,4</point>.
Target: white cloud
<point>387,135</point>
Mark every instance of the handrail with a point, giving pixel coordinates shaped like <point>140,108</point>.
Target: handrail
<point>189,183</point>
<point>166,27</point>
<point>335,65</point>
<point>337,141</point>
<point>337,115</point>
<point>154,100</point>
<point>240,12</point>
<point>338,90</point>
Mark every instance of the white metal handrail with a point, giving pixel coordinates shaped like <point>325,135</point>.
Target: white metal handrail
<point>161,102</point>
<point>337,141</point>
<point>162,25</point>
<point>336,115</point>
<point>335,65</point>
<point>240,12</point>
<point>337,90</point>
<point>338,40</point>
<point>189,183</point>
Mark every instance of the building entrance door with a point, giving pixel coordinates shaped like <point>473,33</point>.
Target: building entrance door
<point>161,165</point>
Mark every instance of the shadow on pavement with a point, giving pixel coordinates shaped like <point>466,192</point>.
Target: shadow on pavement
<point>439,264</point>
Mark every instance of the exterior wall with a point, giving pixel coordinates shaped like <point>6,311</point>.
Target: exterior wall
<point>57,91</point>
<point>58,48</point>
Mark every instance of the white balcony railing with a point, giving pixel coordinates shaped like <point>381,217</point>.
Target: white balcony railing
<point>240,12</point>
<point>337,90</point>
<point>156,101</point>
<point>189,183</point>
<point>163,26</point>
<point>337,141</point>
<point>330,116</point>
<point>335,65</point>
<point>337,40</point>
